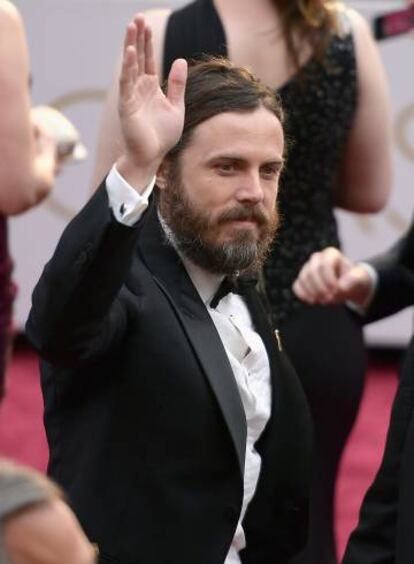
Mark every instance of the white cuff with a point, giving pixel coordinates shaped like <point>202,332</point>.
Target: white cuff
<point>373,274</point>
<point>127,205</point>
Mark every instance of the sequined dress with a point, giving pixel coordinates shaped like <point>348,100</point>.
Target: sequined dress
<point>324,343</point>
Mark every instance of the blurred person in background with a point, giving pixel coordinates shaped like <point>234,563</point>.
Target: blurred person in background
<point>379,287</point>
<point>28,159</point>
<point>36,526</point>
<point>321,58</point>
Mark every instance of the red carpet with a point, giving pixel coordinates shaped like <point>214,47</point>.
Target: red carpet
<point>363,453</point>
<point>22,435</point>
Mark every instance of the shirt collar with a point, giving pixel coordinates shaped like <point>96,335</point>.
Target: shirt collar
<point>206,282</point>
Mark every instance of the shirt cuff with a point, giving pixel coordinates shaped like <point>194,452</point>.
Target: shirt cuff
<point>373,274</point>
<point>127,205</point>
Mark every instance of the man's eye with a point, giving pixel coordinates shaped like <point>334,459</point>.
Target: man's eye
<point>269,171</point>
<point>225,167</point>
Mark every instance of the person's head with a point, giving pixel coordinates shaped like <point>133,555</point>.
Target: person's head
<point>38,526</point>
<point>218,185</point>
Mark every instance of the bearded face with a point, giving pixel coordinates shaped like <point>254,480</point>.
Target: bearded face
<point>203,236</point>
<point>218,196</point>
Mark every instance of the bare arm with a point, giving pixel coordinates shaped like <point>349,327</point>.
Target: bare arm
<point>365,175</point>
<point>27,164</point>
<point>110,144</point>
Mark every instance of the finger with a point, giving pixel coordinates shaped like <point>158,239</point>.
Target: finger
<point>300,290</point>
<point>176,82</point>
<point>129,66</point>
<point>349,282</point>
<point>306,283</point>
<point>130,36</point>
<point>344,266</point>
<point>320,277</point>
<point>356,285</point>
<point>149,52</point>
<point>128,74</point>
<point>308,292</point>
<point>139,22</point>
<point>331,265</point>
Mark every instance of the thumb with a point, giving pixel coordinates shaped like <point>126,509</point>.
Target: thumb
<point>356,285</point>
<point>177,80</point>
<point>349,281</point>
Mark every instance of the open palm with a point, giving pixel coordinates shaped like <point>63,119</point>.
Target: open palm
<point>151,121</point>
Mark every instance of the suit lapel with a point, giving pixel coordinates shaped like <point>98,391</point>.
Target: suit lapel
<point>172,278</point>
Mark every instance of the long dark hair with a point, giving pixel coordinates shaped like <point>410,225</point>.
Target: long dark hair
<point>313,21</point>
<point>215,85</point>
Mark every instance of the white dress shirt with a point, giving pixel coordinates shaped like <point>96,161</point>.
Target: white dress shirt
<point>243,345</point>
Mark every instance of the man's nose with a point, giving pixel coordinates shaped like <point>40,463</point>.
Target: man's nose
<point>251,189</point>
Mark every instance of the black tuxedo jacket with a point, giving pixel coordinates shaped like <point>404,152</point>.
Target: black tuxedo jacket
<point>385,533</point>
<point>144,420</point>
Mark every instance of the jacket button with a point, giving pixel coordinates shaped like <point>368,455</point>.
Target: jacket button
<point>231,515</point>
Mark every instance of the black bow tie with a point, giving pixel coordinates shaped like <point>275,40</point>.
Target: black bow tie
<point>235,284</point>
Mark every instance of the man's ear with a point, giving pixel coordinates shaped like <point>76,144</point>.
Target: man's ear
<point>162,175</point>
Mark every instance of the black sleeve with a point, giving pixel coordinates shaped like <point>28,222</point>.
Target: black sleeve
<point>374,539</point>
<point>76,308</point>
<point>395,278</point>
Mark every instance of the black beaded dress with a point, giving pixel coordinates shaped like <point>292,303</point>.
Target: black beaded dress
<point>324,343</point>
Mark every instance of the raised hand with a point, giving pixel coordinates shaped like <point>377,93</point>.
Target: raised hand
<point>329,277</point>
<point>151,121</point>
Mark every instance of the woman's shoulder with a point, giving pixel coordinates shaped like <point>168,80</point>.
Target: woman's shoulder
<point>351,32</point>
<point>360,30</point>
<point>350,21</point>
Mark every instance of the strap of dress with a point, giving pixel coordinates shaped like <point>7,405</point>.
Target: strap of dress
<point>192,31</point>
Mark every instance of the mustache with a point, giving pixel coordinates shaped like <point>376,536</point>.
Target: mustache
<point>245,213</point>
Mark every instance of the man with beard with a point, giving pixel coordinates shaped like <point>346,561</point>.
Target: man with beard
<point>175,422</point>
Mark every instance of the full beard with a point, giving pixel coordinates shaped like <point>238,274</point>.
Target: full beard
<point>196,233</point>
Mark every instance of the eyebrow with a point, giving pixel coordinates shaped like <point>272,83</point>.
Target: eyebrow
<point>239,159</point>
